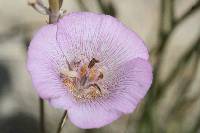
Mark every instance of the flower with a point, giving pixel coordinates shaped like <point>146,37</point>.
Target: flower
<point>90,65</point>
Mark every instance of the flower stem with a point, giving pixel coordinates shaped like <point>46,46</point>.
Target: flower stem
<point>62,122</point>
<point>42,125</point>
<point>54,6</point>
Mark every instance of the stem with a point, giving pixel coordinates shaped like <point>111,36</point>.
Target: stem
<point>42,125</point>
<point>62,122</point>
<point>54,6</point>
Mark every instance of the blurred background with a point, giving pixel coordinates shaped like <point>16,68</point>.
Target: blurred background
<point>171,31</point>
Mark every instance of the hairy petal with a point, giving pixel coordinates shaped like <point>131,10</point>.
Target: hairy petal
<point>131,82</point>
<point>92,116</point>
<point>129,85</point>
<point>100,36</point>
<point>62,102</point>
<point>45,58</point>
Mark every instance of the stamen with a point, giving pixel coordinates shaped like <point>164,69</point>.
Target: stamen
<point>93,62</point>
<point>69,73</point>
<point>68,64</point>
<point>83,70</point>
<point>77,63</point>
<point>96,86</point>
<point>71,86</point>
<point>100,75</point>
<point>92,74</point>
<point>93,92</point>
<point>82,80</point>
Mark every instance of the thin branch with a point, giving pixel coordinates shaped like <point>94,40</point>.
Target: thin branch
<point>42,117</point>
<point>39,7</point>
<point>53,11</point>
<point>188,13</point>
<point>54,7</point>
<point>62,122</point>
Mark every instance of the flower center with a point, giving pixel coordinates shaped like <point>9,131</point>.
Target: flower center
<point>83,79</point>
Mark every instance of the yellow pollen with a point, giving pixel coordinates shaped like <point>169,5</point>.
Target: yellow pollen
<point>93,92</point>
<point>100,76</point>
<point>92,74</point>
<point>83,70</point>
<point>83,80</point>
<point>92,62</point>
<point>70,85</point>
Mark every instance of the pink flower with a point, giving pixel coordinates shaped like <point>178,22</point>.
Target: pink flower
<point>90,65</point>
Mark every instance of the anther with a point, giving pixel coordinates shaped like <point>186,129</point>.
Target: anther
<point>100,75</point>
<point>96,86</point>
<point>93,62</point>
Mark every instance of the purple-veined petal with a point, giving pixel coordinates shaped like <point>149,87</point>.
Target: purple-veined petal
<point>92,116</point>
<point>62,102</point>
<point>133,82</point>
<point>100,36</point>
<point>122,57</point>
<point>44,61</point>
<point>129,85</point>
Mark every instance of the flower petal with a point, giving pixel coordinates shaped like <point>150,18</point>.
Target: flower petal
<point>90,116</point>
<point>133,80</point>
<point>63,102</point>
<point>45,58</point>
<point>100,36</point>
<point>129,85</point>
<point>128,75</point>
